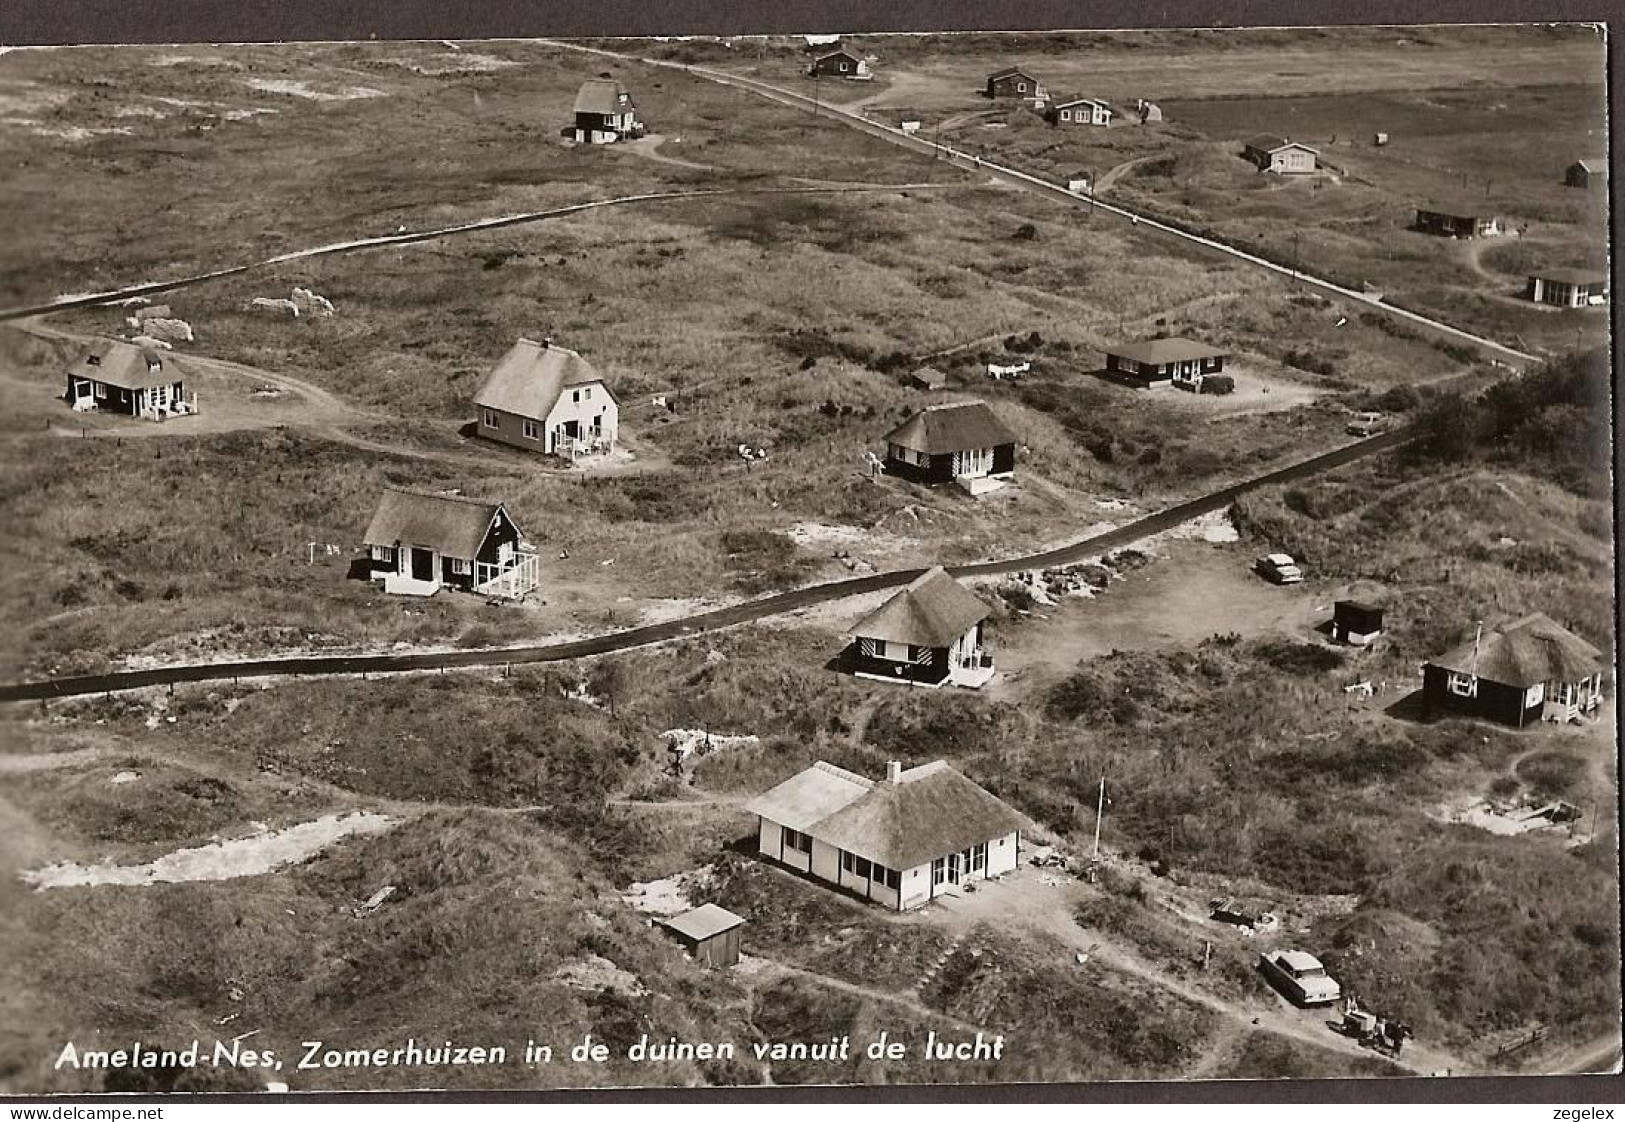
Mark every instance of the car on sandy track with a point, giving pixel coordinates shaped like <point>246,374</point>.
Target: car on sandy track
<point>1278,568</point>
<point>1365,424</point>
<point>1299,977</point>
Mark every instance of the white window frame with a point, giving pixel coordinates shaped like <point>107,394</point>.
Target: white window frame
<point>793,839</point>
<point>490,419</point>
<point>459,567</point>
<point>532,429</point>
<point>1535,696</point>
<point>1021,87</point>
<point>1462,685</point>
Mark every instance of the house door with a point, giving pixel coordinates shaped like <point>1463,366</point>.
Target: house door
<point>956,867</point>
<point>422,563</point>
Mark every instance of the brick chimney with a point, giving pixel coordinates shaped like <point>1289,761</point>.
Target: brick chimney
<point>894,772</point>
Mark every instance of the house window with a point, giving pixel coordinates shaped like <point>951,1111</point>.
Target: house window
<point>1066,114</point>
<point>1021,87</point>
<point>852,863</point>
<point>586,394</point>
<point>1462,685</point>
<point>796,840</point>
<point>939,870</point>
<point>489,419</point>
<point>459,567</point>
<point>575,395</point>
<point>891,878</point>
<point>101,391</point>
<point>978,858</point>
<point>843,68</point>
<point>533,431</point>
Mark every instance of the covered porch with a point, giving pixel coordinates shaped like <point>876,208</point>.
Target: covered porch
<point>510,579</point>
<point>1569,701</point>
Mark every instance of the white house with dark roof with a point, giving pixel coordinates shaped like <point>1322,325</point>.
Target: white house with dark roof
<point>929,634</point>
<point>604,113</point>
<point>1175,361</point>
<point>1082,111</point>
<point>1280,155</point>
<point>547,398</point>
<point>118,377</point>
<point>901,842</point>
<point>419,543</point>
<point>962,442</point>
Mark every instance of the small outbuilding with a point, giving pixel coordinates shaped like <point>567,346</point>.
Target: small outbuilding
<point>117,377</point>
<point>841,63</point>
<point>960,442</point>
<point>928,378</point>
<point>1150,112</point>
<point>710,934</point>
<point>1568,288</point>
<point>1279,155</point>
<point>1457,220</point>
<point>1356,622</point>
<point>604,113</point>
<point>1015,82</point>
<point>1179,362</point>
<point>1587,173</point>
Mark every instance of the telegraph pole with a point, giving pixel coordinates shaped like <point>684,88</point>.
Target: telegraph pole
<point>1100,810</point>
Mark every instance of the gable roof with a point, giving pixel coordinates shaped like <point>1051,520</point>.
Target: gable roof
<point>1458,208</point>
<point>121,364</point>
<point>1529,650</point>
<point>1593,165</point>
<point>703,922</point>
<point>452,525</point>
<point>1011,72</point>
<point>810,796</point>
<point>933,611</point>
<point>930,377</point>
<point>954,426</point>
<point>1155,352</point>
<point>528,380</point>
<point>602,95</point>
<point>839,52</point>
<point>929,812</point>
<point>1083,101</point>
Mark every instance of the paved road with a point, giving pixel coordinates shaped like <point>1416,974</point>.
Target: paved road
<point>716,620</point>
<point>969,162</point>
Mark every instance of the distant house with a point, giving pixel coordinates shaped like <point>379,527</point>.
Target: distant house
<point>1528,670</point>
<point>1082,111</point>
<point>1180,362</point>
<point>604,113</point>
<point>547,398</point>
<point>1280,155</point>
<point>1568,288</point>
<point>118,377</point>
<point>1457,220</point>
<point>840,64</point>
<point>901,842</point>
<point>1078,183</point>
<point>1587,173</point>
<point>710,934</point>
<point>419,543</point>
<point>1355,622</point>
<point>1150,112</point>
<point>928,378</point>
<point>956,442</point>
<point>929,634</point>
<point>1013,81</point>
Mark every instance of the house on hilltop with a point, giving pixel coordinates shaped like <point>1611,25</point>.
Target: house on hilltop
<point>960,442</point>
<point>1568,288</point>
<point>900,842</point>
<point>118,377</point>
<point>1013,81</point>
<point>546,398</point>
<point>1179,362</point>
<point>1081,111</point>
<point>1587,173</point>
<point>1528,670</point>
<point>419,543</point>
<point>929,634</point>
<point>1280,155</point>
<point>841,63</point>
<point>604,113</point>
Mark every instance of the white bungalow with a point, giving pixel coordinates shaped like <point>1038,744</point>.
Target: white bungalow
<point>418,544</point>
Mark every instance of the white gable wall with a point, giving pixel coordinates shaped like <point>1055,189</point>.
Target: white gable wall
<point>585,404</point>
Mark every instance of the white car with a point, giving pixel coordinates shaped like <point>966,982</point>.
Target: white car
<point>1365,424</point>
<point>1300,977</point>
<point>1279,568</point>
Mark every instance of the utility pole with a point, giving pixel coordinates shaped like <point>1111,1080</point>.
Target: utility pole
<point>1100,810</point>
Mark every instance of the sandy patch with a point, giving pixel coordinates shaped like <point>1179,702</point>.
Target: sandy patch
<point>684,742</point>
<point>1506,819</point>
<point>462,62</point>
<point>660,611</point>
<point>46,761</point>
<point>305,90</point>
<point>223,860</point>
<point>595,974</point>
<point>669,895</point>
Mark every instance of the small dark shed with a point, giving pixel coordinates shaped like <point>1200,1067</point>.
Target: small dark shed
<point>1356,622</point>
<point>710,934</point>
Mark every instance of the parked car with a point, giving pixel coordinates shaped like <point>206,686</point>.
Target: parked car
<point>1299,977</point>
<point>1279,568</point>
<point>1365,424</point>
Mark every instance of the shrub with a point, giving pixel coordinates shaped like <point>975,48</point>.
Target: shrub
<point>1398,399</point>
<point>1311,362</point>
<point>1302,659</point>
<point>1026,232</point>
<point>1218,384</point>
